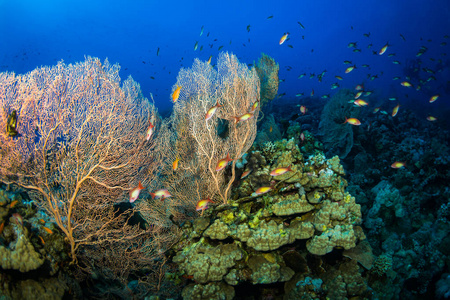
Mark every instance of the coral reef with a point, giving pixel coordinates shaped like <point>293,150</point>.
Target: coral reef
<point>267,70</point>
<point>307,213</point>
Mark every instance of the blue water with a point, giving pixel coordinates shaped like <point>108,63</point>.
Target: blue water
<point>35,33</point>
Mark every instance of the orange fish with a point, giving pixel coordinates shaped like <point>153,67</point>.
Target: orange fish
<point>42,240</point>
<point>203,204</point>
<point>221,164</point>
<point>48,230</point>
<point>175,164</point>
<point>431,118</point>
<point>406,84</point>
<point>134,193</point>
<point>2,226</point>
<point>13,203</point>
<point>149,131</point>
<point>280,171</point>
<point>254,106</point>
<point>382,50</point>
<point>349,69</point>
<point>212,111</point>
<point>352,121</point>
<point>284,38</point>
<point>395,110</point>
<point>434,98</point>
<point>262,190</point>
<point>162,193</point>
<point>176,94</point>
<point>245,174</point>
<point>244,117</point>
<point>360,103</point>
<point>303,109</point>
<point>398,165</point>
<point>42,221</point>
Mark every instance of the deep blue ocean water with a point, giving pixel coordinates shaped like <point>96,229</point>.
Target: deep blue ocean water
<point>36,33</point>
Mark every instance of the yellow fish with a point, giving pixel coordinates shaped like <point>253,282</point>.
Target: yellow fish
<point>349,69</point>
<point>434,98</point>
<point>431,118</point>
<point>221,164</point>
<point>262,190</point>
<point>212,111</point>
<point>284,38</point>
<point>406,83</point>
<point>395,110</point>
<point>203,204</point>
<point>176,94</point>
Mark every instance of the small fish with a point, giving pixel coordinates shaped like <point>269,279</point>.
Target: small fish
<point>245,174</point>
<point>221,164</point>
<point>365,66</point>
<point>326,96</point>
<point>196,45</point>
<point>357,50</point>
<point>212,111</point>
<point>395,110</point>
<point>157,52</point>
<point>290,46</point>
<point>17,219</point>
<point>301,25</point>
<point>209,59</point>
<point>201,47</point>
<point>396,78</point>
<point>366,35</point>
<point>42,221</point>
<point>349,69</point>
<point>352,121</point>
<point>375,110</point>
<point>338,77</point>
<point>406,84</point>
<point>134,193</point>
<point>42,240</point>
<point>358,94</point>
<point>398,165</point>
<point>201,30</point>
<point>302,137</point>
<point>303,109</point>
<point>351,45</point>
<point>383,49</point>
<point>431,118</point>
<point>13,204</point>
<point>367,93</point>
<point>301,75</point>
<point>269,17</point>
<point>176,94</point>
<point>359,87</point>
<point>347,62</point>
<point>244,117</point>
<point>203,204</point>
<point>284,38</point>
<point>434,98</point>
<point>162,193</point>
<point>391,54</point>
<point>396,62</point>
<point>403,38</point>
<point>270,129</point>
<point>149,131</point>
<point>392,98</point>
<point>299,94</point>
<point>175,164</point>
<point>48,230</point>
<point>254,106</point>
<point>2,226</point>
<point>312,92</point>
<point>280,171</point>
<point>262,190</point>
<point>311,75</point>
<point>334,85</point>
<point>360,103</point>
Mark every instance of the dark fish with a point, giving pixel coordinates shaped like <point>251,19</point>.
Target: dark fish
<point>220,48</point>
<point>367,34</point>
<point>290,46</point>
<point>269,17</point>
<point>301,25</point>
<point>248,28</point>
<point>157,52</point>
<point>403,38</point>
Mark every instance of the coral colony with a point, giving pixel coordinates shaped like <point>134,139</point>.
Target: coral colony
<point>228,197</point>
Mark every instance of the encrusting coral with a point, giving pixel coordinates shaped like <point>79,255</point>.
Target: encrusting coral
<point>246,241</point>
